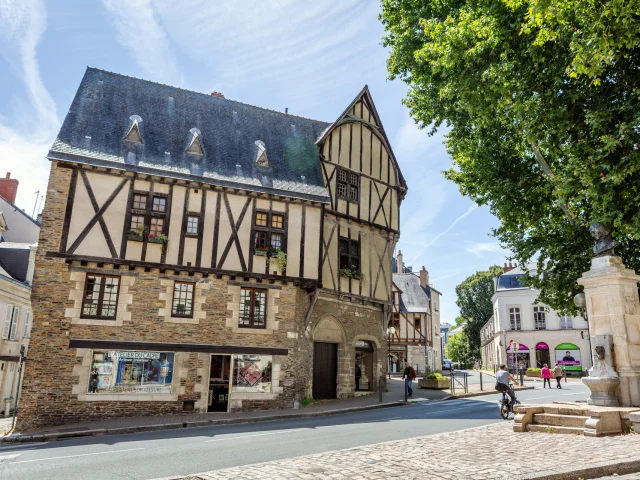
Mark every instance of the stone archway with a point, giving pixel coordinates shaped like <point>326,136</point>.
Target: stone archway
<point>367,362</point>
<point>330,364</point>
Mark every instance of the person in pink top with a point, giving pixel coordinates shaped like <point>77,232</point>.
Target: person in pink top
<point>545,373</point>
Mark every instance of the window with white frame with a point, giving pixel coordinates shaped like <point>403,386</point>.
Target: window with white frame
<point>11,318</point>
<point>27,325</point>
<point>566,322</point>
<point>514,318</point>
<point>540,318</point>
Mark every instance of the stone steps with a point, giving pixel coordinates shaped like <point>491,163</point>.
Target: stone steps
<point>555,429</point>
<point>560,409</point>
<point>553,419</point>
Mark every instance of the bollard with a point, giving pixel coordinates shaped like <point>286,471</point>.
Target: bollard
<point>564,374</point>
<point>480,381</point>
<point>380,387</point>
<point>406,390</point>
<point>521,379</point>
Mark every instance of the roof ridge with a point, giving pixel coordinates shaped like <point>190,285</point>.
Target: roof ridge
<point>206,95</point>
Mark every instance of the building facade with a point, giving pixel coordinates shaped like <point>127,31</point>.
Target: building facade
<point>543,335</point>
<point>200,254</point>
<point>416,323</point>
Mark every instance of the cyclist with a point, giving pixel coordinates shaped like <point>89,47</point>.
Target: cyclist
<point>502,383</point>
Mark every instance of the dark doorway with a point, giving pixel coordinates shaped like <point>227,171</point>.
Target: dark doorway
<point>325,370</point>
<point>542,357</point>
<point>364,365</point>
<point>219,383</point>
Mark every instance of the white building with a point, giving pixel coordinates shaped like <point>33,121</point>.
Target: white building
<point>544,335</point>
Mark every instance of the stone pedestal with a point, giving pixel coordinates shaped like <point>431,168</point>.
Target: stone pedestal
<point>613,309</point>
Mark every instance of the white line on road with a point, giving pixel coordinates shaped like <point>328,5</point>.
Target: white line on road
<point>73,456</point>
<point>8,457</point>
<point>254,435</point>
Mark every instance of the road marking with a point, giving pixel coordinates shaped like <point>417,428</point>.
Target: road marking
<point>384,419</point>
<point>74,456</point>
<point>8,457</point>
<point>254,435</point>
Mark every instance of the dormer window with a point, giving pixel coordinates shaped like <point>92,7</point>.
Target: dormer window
<point>261,154</point>
<point>133,134</point>
<point>195,142</point>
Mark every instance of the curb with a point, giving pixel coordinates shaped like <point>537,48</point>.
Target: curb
<point>601,469</point>
<point>54,436</point>
<point>488,392</point>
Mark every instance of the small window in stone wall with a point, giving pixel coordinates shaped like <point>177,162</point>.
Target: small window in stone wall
<point>131,372</point>
<point>100,297</point>
<point>252,373</point>
<point>182,305</point>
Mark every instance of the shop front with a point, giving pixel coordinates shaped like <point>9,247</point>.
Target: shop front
<point>567,355</point>
<point>542,355</point>
<point>518,360</point>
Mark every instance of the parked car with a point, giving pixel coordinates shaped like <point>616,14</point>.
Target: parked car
<point>446,364</point>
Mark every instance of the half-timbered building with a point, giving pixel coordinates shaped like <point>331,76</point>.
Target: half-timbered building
<point>201,254</point>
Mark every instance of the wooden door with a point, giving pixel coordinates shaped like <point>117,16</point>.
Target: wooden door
<point>325,370</point>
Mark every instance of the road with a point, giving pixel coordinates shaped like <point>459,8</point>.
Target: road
<point>149,455</point>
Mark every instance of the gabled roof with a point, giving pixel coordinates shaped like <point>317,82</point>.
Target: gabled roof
<point>413,298</point>
<point>14,207</point>
<point>14,260</point>
<point>95,128</point>
<point>365,96</point>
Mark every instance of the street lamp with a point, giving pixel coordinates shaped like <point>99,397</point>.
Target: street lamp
<point>390,332</point>
<point>580,301</point>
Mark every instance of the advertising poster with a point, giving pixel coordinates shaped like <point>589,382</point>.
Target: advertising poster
<point>568,357</point>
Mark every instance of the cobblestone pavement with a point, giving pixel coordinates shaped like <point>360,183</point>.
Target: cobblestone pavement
<point>631,476</point>
<point>489,452</point>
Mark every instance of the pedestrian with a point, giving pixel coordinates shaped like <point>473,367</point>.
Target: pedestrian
<point>408,376</point>
<point>545,373</point>
<point>358,375</point>
<point>557,372</point>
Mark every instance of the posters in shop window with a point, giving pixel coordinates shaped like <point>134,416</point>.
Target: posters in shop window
<point>568,357</point>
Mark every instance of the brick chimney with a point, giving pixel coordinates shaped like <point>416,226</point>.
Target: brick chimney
<point>424,277</point>
<point>217,94</point>
<point>508,268</point>
<point>399,263</point>
<point>9,188</point>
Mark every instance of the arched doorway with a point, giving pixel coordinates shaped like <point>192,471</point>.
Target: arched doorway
<point>364,365</point>
<point>327,336</point>
<point>542,355</point>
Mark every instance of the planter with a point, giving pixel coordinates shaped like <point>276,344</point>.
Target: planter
<point>532,374</point>
<point>260,253</point>
<point>137,238</point>
<point>155,240</point>
<point>434,383</point>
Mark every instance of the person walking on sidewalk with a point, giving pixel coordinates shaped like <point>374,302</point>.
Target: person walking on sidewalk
<point>557,372</point>
<point>545,373</point>
<point>408,376</point>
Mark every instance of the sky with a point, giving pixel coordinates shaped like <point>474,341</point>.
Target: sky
<point>310,57</point>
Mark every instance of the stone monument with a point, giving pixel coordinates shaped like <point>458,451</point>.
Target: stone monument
<point>613,309</point>
<point>603,382</point>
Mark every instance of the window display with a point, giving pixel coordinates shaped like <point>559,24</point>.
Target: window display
<point>131,372</point>
<point>252,373</point>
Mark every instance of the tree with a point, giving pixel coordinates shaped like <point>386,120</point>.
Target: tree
<point>474,300</point>
<point>458,347</point>
<point>541,101</point>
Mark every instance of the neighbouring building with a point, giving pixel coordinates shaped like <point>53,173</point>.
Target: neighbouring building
<point>16,273</point>
<point>543,335</point>
<point>416,320</point>
<point>20,227</point>
<point>444,339</point>
<point>201,254</point>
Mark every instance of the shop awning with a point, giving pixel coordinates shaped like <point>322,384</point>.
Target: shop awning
<point>175,347</point>
<point>542,346</point>
<point>523,348</point>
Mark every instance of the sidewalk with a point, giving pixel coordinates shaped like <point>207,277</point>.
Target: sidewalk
<point>394,397</point>
<point>472,453</point>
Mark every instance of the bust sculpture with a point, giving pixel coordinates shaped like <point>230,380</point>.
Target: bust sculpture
<point>604,242</point>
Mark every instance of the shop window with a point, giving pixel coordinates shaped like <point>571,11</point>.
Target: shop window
<point>100,297</point>
<point>540,318</point>
<point>253,308</point>
<point>252,373</point>
<point>131,372</point>
<point>349,251</point>
<point>270,231</point>
<point>566,322</point>
<point>182,305</point>
<point>192,225</point>
<point>348,185</point>
<point>514,318</point>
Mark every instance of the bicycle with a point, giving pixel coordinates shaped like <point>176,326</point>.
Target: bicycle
<point>505,406</point>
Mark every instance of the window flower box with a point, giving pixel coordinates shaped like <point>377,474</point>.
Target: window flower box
<point>260,252</point>
<point>135,237</point>
<point>159,238</point>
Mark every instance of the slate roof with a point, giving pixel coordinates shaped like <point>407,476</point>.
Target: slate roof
<point>14,259</point>
<point>14,207</point>
<point>413,298</point>
<point>100,117</point>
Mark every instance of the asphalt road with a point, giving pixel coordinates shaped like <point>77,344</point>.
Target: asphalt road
<point>149,455</point>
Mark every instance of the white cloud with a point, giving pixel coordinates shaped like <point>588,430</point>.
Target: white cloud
<point>479,249</point>
<point>444,232</point>
<point>140,30</point>
<point>25,140</point>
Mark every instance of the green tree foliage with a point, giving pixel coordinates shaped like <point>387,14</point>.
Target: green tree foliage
<point>458,347</point>
<point>521,84</point>
<point>474,300</point>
